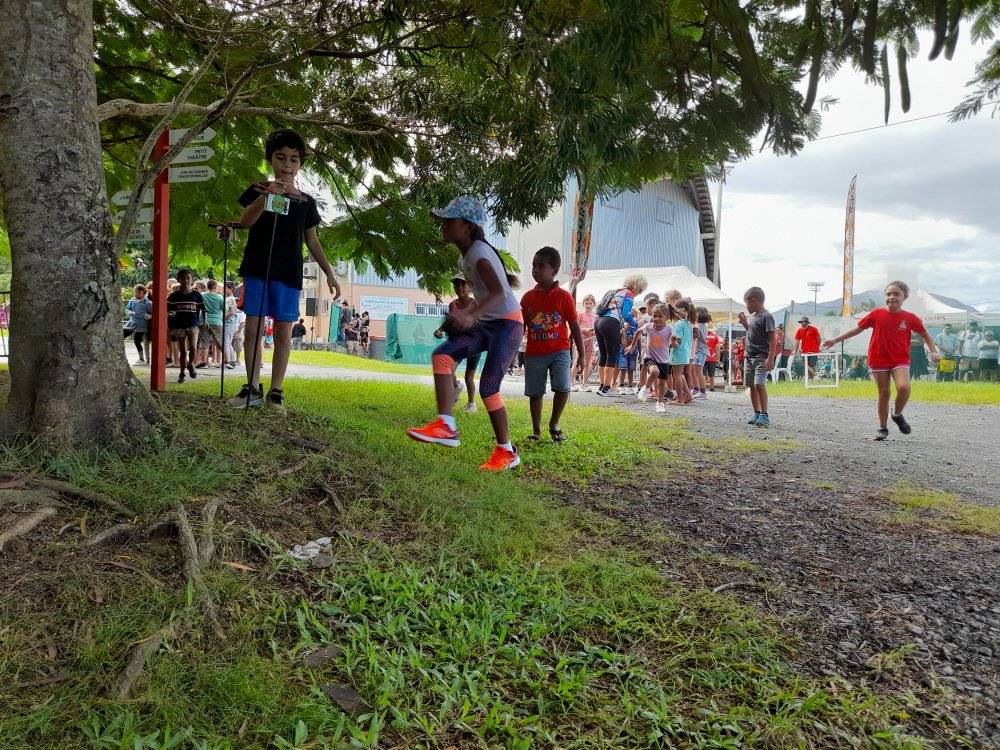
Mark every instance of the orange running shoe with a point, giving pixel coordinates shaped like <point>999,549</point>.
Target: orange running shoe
<point>501,459</point>
<point>435,432</point>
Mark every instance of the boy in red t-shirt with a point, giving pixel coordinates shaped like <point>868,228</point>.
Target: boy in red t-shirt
<point>549,319</point>
<point>889,352</point>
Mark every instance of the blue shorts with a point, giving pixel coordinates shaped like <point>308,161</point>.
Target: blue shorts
<point>554,367</point>
<point>281,302</point>
<point>700,357</point>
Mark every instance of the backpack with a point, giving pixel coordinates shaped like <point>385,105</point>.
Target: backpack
<point>607,302</point>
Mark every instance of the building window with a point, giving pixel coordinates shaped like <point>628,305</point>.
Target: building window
<point>431,310</point>
<point>664,211</point>
<point>310,270</point>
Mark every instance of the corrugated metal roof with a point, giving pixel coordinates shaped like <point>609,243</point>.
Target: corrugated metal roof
<point>655,227</point>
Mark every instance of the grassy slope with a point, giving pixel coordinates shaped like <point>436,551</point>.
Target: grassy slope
<point>978,394</point>
<point>471,610</point>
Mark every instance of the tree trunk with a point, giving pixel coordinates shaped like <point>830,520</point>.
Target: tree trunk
<point>70,383</point>
<point>583,223</point>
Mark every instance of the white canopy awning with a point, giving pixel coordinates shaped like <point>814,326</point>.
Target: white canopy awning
<point>661,280</point>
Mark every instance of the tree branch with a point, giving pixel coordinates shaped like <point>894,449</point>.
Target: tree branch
<point>121,107</point>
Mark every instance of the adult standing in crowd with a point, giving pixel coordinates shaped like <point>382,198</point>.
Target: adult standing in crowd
<point>947,344</point>
<point>298,333</point>
<point>989,353</point>
<point>613,314</point>
<point>807,339</point>
<point>969,341</point>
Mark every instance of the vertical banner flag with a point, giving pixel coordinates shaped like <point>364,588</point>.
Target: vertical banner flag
<point>848,290</point>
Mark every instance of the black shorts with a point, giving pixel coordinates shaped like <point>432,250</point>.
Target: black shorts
<point>664,369</point>
<point>987,364</point>
<point>710,368</point>
<point>811,361</point>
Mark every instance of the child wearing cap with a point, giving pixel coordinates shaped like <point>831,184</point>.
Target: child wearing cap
<point>550,319</point>
<point>463,301</point>
<point>493,326</point>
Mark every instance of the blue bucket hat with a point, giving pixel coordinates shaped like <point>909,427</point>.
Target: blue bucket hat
<point>463,207</point>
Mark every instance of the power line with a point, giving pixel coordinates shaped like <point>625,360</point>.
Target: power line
<point>883,127</point>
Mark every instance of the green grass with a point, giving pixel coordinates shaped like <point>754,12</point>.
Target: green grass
<point>471,610</point>
<point>924,505</point>
<point>351,362</point>
<point>974,394</point>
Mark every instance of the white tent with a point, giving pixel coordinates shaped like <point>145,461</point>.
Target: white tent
<point>933,311</point>
<point>661,280</point>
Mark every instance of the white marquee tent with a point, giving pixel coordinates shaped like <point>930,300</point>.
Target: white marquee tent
<point>661,280</point>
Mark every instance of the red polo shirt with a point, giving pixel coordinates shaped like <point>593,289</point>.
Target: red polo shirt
<point>547,315</point>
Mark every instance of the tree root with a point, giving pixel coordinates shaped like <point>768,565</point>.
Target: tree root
<point>26,524</point>
<point>192,568</point>
<point>312,445</point>
<point>65,488</point>
<point>112,534</point>
<point>142,651</point>
<point>206,542</point>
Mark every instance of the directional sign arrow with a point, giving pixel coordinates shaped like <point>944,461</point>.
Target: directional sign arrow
<point>145,216</point>
<point>194,154</point>
<point>203,137</point>
<point>121,198</point>
<point>141,233</point>
<point>190,174</point>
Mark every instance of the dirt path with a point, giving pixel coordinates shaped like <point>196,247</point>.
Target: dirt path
<point>887,604</point>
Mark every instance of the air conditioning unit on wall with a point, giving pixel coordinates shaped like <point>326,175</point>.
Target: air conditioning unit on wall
<point>342,268</point>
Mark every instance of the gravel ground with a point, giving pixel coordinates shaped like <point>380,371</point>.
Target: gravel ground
<point>892,606</point>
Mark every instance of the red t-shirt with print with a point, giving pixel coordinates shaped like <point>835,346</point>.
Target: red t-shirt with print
<point>547,315</point>
<point>891,333</point>
<point>712,340</point>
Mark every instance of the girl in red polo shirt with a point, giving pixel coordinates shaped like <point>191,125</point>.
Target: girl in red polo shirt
<point>889,352</point>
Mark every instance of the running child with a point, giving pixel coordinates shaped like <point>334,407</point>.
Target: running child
<point>550,319</point>
<point>627,360</point>
<point>680,358</point>
<point>281,218</point>
<point>761,351</point>
<point>889,353</point>
<point>649,303</point>
<point>185,310</point>
<point>494,326</point>
<point>463,301</point>
<point>656,364</point>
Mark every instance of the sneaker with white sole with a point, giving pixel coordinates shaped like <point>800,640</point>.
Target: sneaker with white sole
<point>643,394</point>
<point>435,432</point>
<point>247,397</point>
<point>661,408</point>
<point>501,460</point>
<point>471,408</point>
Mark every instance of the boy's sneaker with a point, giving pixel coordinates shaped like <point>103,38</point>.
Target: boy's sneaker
<point>275,401</point>
<point>256,396</point>
<point>882,433</point>
<point>180,378</point>
<point>763,421</point>
<point>471,408</point>
<point>902,424</point>
<point>661,408</point>
<point>604,392</point>
<point>501,459</point>
<point>192,372</point>
<point>435,432</point>
<point>753,419</point>
<point>643,394</point>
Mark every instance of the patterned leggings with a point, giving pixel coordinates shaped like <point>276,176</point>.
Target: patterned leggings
<point>500,340</point>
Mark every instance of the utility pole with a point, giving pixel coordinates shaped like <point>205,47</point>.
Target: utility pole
<point>815,286</point>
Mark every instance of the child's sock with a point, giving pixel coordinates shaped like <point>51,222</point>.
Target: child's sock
<point>448,420</point>
<point>507,446</point>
